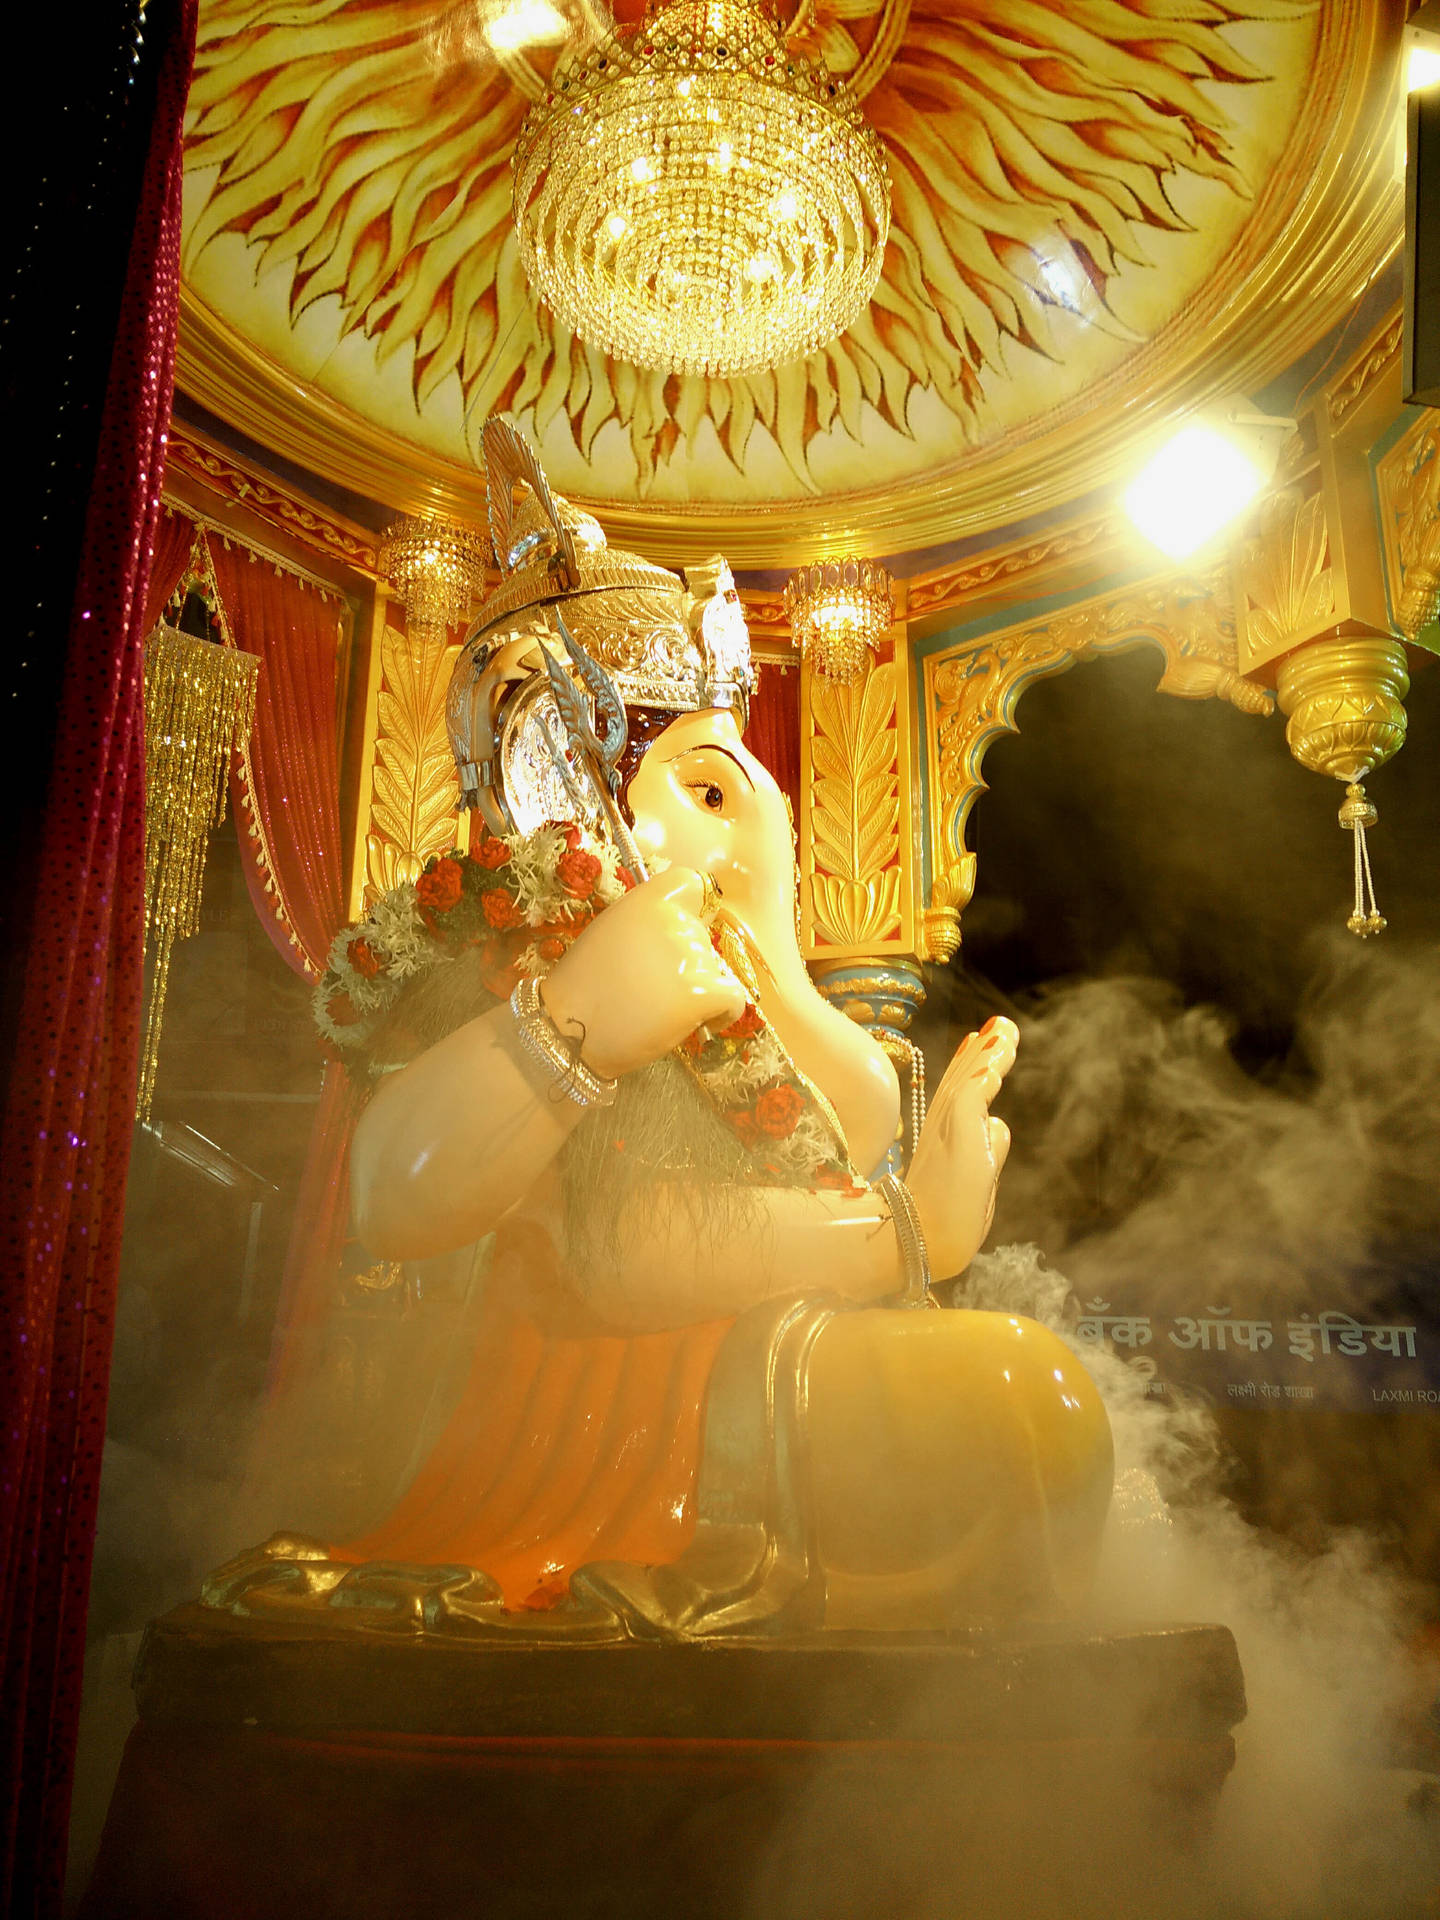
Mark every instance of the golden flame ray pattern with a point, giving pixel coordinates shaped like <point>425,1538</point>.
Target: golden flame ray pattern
<point>363,149</point>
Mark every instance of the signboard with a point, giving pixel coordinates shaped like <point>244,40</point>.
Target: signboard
<point>1319,1357</point>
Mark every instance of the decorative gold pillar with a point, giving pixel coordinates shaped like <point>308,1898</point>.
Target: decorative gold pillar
<point>1407,483</point>
<point>884,996</point>
<point>864,928</point>
<point>857,853</point>
<point>408,788</point>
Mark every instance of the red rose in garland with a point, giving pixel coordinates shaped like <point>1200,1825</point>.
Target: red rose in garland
<point>439,886</point>
<point>364,959</point>
<point>778,1110</point>
<point>578,873</point>
<point>492,853</point>
<point>745,1028</point>
<point>500,910</point>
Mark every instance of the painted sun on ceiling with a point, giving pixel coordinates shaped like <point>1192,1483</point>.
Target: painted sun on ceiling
<point>1066,175</point>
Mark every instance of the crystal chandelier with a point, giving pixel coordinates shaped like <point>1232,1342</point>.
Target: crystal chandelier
<point>840,610</point>
<point>691,195</point>
<point>436,568</point>
<point>199,710</point>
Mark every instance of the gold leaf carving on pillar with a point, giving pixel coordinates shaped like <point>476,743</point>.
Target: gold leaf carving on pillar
<point>1408,481</point>
<point>1287,586</point>
<point>854,796</point>
<point>414,786</point>
<point>973,689</point>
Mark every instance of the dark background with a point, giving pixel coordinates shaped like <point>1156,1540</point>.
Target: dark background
<point>1127,833</point>
<point>1130,832</point>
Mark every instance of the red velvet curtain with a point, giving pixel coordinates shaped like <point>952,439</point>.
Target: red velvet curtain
<point>773,735</point>
<point>70,1106</point>
<point>174,537</point>
<point>286,794</point>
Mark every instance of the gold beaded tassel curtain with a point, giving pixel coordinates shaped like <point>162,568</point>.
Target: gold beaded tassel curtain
<point>199,708</point>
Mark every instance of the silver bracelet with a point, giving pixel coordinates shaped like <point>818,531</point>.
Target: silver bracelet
<point>908,1231</point>
<point>543,1041</point>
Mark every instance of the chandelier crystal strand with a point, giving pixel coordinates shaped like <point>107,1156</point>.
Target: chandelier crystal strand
<point>199,708</point>
<point>840,610</point>
<point>692,195</point>
<point>436,567</point>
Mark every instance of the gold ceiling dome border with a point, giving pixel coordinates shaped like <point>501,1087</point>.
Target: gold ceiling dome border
<point>1300,265</point>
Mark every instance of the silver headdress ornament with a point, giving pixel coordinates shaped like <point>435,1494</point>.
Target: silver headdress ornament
<point>573,639</point>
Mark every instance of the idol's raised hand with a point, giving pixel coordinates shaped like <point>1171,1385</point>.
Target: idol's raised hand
<point>961,1150</point>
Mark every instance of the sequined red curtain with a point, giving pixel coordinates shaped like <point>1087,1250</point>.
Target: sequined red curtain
<point>70,1103</point>
<point>287,795</point>
<point>773,735</point>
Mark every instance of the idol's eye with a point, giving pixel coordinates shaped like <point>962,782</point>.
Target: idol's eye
<point>710,793</point>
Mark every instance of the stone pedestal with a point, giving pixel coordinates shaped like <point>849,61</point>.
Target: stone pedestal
<point>287,1770</point>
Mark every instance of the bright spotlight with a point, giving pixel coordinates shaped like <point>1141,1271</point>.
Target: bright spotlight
<point>1422,67</point>
<point>1197,482</point>
<point>525,23</point>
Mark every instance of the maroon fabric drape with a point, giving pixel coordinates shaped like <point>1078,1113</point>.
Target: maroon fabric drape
<point>70,1105</point>
<point>773,735</point>
<point>174,537</point>
<point>322,1222</point>
<point>287,796</point>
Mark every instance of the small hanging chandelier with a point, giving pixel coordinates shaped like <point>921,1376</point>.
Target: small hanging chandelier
<point>436,568</point>
<point>840,610</point>
<point>199,710</point>
<point>693,196</point>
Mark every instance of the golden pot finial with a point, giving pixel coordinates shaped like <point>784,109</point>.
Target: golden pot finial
<point>1344,696</point>
<point>1344,700</point>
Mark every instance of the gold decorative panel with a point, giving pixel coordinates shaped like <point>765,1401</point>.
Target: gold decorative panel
<point>856,858</point>
<point>971,692</point>
<point>410,788</point>
<point>1286,583</point>
<point>1086,208</point>
<point>1407,479</point>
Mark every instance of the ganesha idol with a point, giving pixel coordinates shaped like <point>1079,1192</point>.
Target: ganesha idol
<point>710,1395</point>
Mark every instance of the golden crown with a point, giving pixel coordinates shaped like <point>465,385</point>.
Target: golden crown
<point>659,640</point>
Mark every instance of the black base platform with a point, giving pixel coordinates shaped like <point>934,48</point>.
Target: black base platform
<point>300,1771</point>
